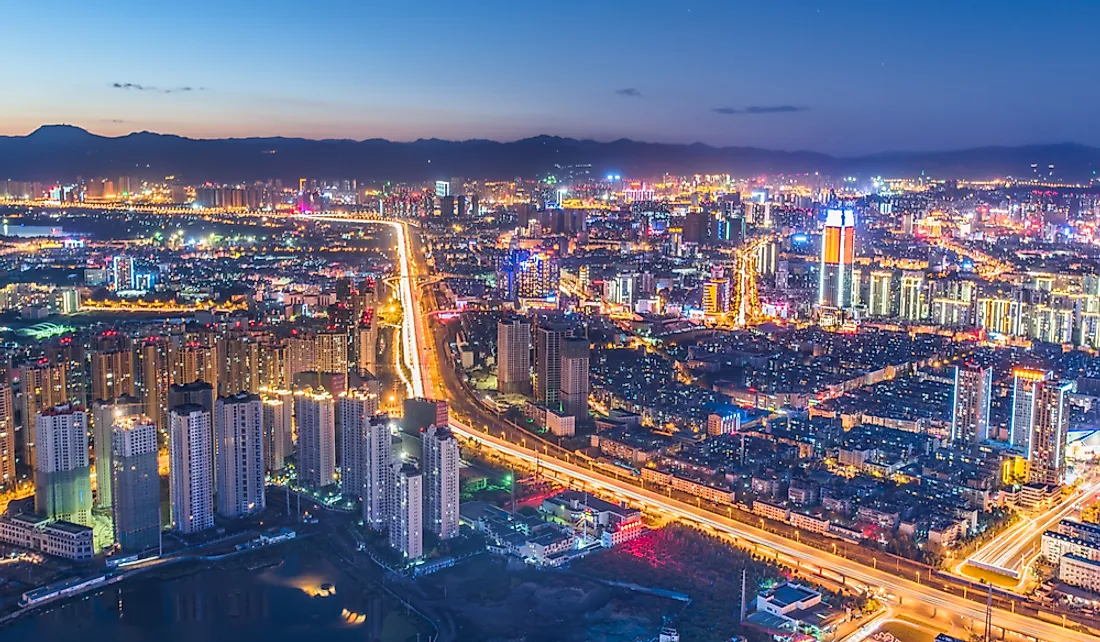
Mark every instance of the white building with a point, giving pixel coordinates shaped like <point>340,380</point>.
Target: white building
<point>239,431</point>
<point>440,473</point>
<point>356,408</point>
<point>378,472</point>
<point>278,430</point>
<point>316,417</point>
<point>407,518</point>
<point>63,486</point>
<point>191,475</point>
<point>1079,571</point>
<point>58,538</point>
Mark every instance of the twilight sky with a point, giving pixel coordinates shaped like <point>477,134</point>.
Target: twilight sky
<point>840,76</point>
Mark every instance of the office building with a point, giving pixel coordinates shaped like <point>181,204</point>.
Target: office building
<point>377,472</point>
<point>1046,460</point>
<point>548,340</point>
<point>191,473</point>
<point>575,376</point>
<point>63,482</point>
<point>7,438</point>
<point>837,257</point>
<point>315,413</point>
<point>514,357</point>
<point>440,481</point>
<point>113,374</point>
<point>105,414</point>
<point>355,409</point>
<point>406,518</point>
<point>278,429</point>
<point>239,433</point>
<point>1025,381</point>
<point>44,386</point>
<point>973,390</point>
<point>135,477</point>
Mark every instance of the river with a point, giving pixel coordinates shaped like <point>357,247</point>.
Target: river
<point>305,597</point>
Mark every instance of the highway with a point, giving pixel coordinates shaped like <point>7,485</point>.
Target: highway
<point>797,554</point>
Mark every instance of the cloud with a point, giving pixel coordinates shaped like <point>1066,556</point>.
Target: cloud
<point>159,90</point>
<point>629,92</point>
<point>759,109</point>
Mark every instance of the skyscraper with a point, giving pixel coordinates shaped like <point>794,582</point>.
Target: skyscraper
<point>420,414</point>
<point>970,404</point>
<point>539,276</point>
<point>63,486</point>
<point>136,504</point>
<point>1024,385</point>
<point>195,362</point>
<point>356,408</point>
<point>716,296</point>
<point>1050,427</point>
<point>113,374</point>
<point>278,429</point>
<point>156,377</point>
<point>837,257</point>
<point>7,437</point>
<point>406,517</point>
<point>548,339</point>
<point>575,376</point>
<point>377,472</point>
<point>514,357</point>
<point>912,296</point>
<point>191,474</point>
<point>440,481</point>
<point>43,387</point>
<point>315,413</point>
<point>123,273</point>
<point>880,295</point>
<point>238,426</point>
<point>105,414</point>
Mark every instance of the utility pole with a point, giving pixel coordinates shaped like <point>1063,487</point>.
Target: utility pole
<point>988,613</point>
<point>744,605</point>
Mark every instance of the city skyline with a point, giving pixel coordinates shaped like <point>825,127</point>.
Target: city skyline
<point>840,80</point>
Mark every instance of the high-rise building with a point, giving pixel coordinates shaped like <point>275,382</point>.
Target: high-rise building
<point>548,339</point>
<point>200,393</point>
<point>315,415</point>
<point>377,472</point>
<point>63,482</point>
<point>880,294</point>
<point>575,376</point>
<point>44,386</point>
<point>355,410</point>
<point>274,373</point>
<point>195,362</point>
<point>324,352</point>
<point>105,414</point>
<point>407,517</point>
<point>421,414</point>
<point>123,273</point>
<point>538,277</point>
<point>913,306</point>
<point>837,257</point>
<point>514,357</point>
<point>154,361</point>
<point>278,429</point>
<point>7,437</point>
<point>241,364</point>
<point>716,296</point>
<point>191,474</point>
<point>113,374</point>
<point>239,431</point>
<point>72,357</point>
<point>440,481</point>
<point>1046,459</point>
<point>1025,381</point>
<point>136,504</point>
<point>970,405</point>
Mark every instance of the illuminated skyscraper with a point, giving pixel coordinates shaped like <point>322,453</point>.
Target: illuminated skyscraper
<point>970,407</point>
<point>837,256</point>
<point>356,410</point>
<point>155,380</point>
<point>136,504</point>
<point>440,479</point>
<point>880,296</point>
<point>44,386</point>
<point>575,376</point>
<point>1024,385</point>
<point>912,296</point>
<point>1046,458</point>
<point>239,432</point>
<point>105,414</point>
<point>716,296</point>
<point>123,273</point>
<point>548,339</point>
<point>316,417</point>
<point>7,437</point>
<point>539,276</point>
<point>278,429</point>
<point>407,514</point>
<point>514,357</point>
<point>63,486</point>
<point>195,362</point>
<point>113,374</point>
<point>377,472</point>
<point>191,474</point>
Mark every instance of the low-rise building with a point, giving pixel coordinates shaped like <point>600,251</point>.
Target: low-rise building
<point>57,538</point>
<point>811,523</point>
<point>770,511</point>
<point>1079,571</point>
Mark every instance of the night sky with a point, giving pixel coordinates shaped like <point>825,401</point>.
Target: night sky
<point>840,76</point>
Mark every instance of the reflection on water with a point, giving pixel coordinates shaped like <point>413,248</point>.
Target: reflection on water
<point>304,598</point>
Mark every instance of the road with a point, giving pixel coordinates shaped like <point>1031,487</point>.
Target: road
<point>1012,551</point>
<point>424,362</point>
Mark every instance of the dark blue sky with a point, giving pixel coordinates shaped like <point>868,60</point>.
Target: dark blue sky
<point>841,76</point>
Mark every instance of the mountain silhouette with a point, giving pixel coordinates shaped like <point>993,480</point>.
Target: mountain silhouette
<point>64,152</point>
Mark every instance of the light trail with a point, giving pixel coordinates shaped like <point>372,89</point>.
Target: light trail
<point>795,553</point>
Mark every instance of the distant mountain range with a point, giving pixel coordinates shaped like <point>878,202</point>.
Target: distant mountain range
<point>55,152</point>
